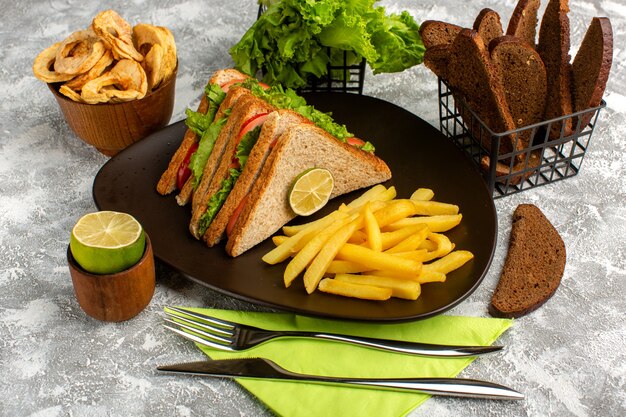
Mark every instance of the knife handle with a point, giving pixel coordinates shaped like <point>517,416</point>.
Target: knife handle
<point>444,386</point>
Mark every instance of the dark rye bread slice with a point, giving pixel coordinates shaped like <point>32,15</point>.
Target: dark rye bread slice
<point>524,79</point>
<point>434,32</point>
<point>553,46</point>
<point>523,22</point>
<point>534,264</point>
<point>591,67</point>
<point>436,59</point>
<point>472,75</point>
<point>488,25</point>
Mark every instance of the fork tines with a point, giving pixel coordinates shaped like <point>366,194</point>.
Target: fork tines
<point>209,331</point>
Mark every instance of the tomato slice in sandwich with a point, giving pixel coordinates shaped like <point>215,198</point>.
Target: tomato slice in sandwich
<point>250,124</point>
<point>184,172</point>
<point>354,141</point>
<point>235,216</point>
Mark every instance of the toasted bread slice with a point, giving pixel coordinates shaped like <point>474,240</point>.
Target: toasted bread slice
<point>434,32</point>
<point>533,267</point>
<point>275,125</point>
<point>554,46</point>
<point>523,22</point>
<point>488,25</point>
<point>474,77</point>
<point>591,67</point>
<point>524,79</point>
<point>436,59</point>
<point>167,182</point>
<point>300,148</point>
<point>218,164</point>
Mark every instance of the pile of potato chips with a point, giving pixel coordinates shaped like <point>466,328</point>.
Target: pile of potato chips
<point>110,61</point>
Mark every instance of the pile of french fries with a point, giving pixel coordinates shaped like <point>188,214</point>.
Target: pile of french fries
<point>376,247</point>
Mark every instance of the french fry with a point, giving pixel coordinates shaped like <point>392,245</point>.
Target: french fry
<point>430,276</point>
<point>412,242</point>
<point>387,195</point>
<point>358,237</point>
<point>390,239</point>
<point>279,239</point>
<point>394,211</point>
<point>429,245</point>
<point>287,248</point>
<point>417,255</point>
<point>395,274</point>
<point>345,267</point>
<point>439,223</point>
<point>400,288</point>
<point>433,208</point>
<point>444,246</point>
<point>422,194</point>
<point>372,230</point>
<point>450,262</point>
<point>368,195</point>
<point>348,289</point>
<point>304,257</point>
<point>378,260</point>
<point>318,266</point>
<point>322,222</point>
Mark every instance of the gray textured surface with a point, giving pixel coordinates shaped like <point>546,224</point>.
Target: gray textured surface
<point>568,357</point>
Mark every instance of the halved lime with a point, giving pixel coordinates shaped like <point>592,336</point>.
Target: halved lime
<point>311,191</point>
<point>106,242</point>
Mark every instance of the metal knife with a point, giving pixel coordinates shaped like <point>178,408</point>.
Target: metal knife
<point>260,368</point>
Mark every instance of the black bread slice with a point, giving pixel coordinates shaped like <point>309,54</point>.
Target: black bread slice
<point>524,79</point>
<point>436,59</point>
<point>591,66</point>
<point>488,25</point>
<point>553,46</point>
<point>473,76</point>
<point>523,22</point>
<point>434,32</point>
<point>533,267</point>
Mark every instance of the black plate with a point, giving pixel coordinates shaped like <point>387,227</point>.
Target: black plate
<point>418,155</point>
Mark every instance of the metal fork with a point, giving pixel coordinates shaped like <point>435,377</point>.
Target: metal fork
<point>227,335</point>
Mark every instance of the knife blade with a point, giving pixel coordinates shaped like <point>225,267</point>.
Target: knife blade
<point>261,368</point>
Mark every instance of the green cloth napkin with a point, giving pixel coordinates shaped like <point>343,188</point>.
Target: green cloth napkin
<point>323,357</point>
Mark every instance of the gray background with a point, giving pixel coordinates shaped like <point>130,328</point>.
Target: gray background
<point>567,357</point>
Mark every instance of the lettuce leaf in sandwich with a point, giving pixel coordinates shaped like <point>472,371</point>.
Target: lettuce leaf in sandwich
<point>244,147</point>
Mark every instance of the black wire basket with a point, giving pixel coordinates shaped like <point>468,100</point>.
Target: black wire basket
<point>345,78</point>
<point>553,152</point>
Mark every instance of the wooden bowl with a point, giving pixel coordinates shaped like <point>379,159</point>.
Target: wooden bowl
<point>115,297</point>
<point>111,127</point>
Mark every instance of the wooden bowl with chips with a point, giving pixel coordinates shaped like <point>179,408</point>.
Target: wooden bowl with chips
<point>111,127</point>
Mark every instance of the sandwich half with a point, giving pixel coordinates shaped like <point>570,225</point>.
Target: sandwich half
<point>247,163</point>
<point>197,122</point>
<point>266,208</point>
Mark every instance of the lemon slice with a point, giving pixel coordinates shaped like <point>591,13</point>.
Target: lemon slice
<point>107,242</point>
<point>311,191</point>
